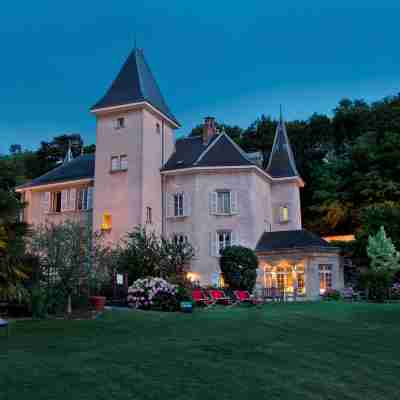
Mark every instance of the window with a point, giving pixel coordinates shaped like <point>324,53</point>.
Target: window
<point>119,163</point>
<point>284,214</point>
<point>180,238</point>
<point>107,222</point>
<point>120,123</point>
<point>149,216</point>
<point>124,162</point>
<point>224,202</point>
<point>115,164</point>
<point>325,277</point>
<point>224,240</point>
<point>178,204</point>
<point>158,128</point>
<point>55,202</point>
<point>82,199</point>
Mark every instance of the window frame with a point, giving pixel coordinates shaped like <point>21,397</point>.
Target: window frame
<point>220,199</point>
<point>119,123</point>
<point>179,206</point>
<point>284,214</point>
<point>120,160</point>
<point>325,274</point>
<point>224,241</point>
<point>149,215</point>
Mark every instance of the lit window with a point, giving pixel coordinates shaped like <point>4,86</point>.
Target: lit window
<point>178,204</point>
<point>224,202</point>
<point>149,216</point>
<point>284,214</point>
<point>107,222</point>
<point>120,123</point>
<point>158,128</point>
<point>224,240</point>
<point>325,277</point>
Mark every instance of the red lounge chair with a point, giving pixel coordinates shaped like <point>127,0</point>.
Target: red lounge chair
<point>243,296</point>
<point>219,297</point>
<point>200,298</point>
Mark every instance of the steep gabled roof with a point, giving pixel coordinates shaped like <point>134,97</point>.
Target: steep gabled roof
<point>281,161</point>
<point>220,151</point>
<point>79,168</point>
<point>135,83</point>
<point>286,240</point>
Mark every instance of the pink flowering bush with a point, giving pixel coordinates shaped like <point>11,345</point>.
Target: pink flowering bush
<point>153,293</point>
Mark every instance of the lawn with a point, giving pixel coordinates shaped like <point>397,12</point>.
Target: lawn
<point>288,351</point>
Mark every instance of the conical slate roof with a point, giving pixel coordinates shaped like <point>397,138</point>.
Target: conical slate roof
<point>135,83</point>
<point>281,161</point>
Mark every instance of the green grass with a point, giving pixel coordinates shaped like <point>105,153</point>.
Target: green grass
<point>292,351</point>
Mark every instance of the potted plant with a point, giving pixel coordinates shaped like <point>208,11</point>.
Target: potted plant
<point>96,299</point>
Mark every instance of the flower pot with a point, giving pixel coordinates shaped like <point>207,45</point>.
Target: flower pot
<point>97,302</point>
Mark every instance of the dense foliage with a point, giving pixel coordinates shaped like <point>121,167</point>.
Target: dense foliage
<point>239,267</point>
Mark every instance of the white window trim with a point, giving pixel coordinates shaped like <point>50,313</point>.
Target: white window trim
<point>117,123</point>
<point>233,202</point>
<point>214,240</point>
<point>119,159</point>
<point>186,205</point>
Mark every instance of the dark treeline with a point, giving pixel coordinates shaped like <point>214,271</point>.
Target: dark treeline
<point>350,163</point>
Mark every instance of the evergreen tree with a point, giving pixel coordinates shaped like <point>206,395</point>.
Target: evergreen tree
<point>382,252</point>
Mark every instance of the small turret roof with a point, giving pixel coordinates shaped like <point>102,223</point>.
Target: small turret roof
<point>135,83</point>
<point>281,161</point>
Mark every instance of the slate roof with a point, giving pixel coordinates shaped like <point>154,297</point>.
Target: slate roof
<point>286,240</point>
<point>219,152</point>
<point>79,168</point>
<point>135,83</point>
<point>281,161</point>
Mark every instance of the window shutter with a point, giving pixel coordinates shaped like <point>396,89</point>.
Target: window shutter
<point>235,238</point>
<point>72,199</point>
<point>187,206</point>
<point>45,200</point>
<point>64,200</point>
<point>170,205</point>
<point>234,202</point>
<point>213,237</point>
<point>213,202</point>
<point>89,198</point>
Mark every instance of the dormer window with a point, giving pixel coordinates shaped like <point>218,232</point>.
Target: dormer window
<point>120,123</point>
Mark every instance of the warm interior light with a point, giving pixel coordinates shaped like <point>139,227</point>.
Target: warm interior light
<point>340,238</point>
<point>192,277</point>
<point>107,222</point>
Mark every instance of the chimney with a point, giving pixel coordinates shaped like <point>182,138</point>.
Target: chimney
<point>209,129</point>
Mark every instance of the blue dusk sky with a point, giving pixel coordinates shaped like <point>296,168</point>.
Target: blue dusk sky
<point>230,59</point>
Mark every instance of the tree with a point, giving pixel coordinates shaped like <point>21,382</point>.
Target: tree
<point>382,252</point>
<point>140,254</point>
<point>175,257</point>
<point>239,267</point>
<point>14,271</point>
<point>64,254</point>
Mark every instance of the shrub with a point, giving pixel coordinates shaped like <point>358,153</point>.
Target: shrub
<point>377,284</point>
<point>153,293</point>
<point>331,294</point>
<point>239,267</point>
